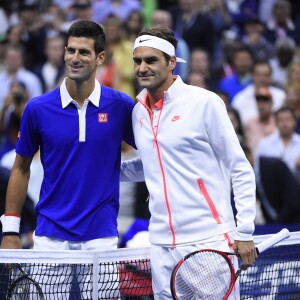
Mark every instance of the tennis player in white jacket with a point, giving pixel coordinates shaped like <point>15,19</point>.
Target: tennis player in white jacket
<point>190,157</point>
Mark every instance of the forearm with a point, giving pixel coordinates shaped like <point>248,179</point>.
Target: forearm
<point>17,185</point>
<point>16,191</point>
<point>132,170</point>
<point>15,197</point>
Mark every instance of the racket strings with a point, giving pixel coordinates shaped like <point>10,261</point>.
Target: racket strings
<point>24,289</point>
<point>205,275</point>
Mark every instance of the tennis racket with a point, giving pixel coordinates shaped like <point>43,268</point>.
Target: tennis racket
<point>209,274</point>
<point>24,287</point>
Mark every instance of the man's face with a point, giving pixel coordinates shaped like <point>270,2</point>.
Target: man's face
<point>261,75</point>
<point>13,60</point>
<point>264,106</point>
<point>55,51</point>
<point>242,61</point>
<point>285,123</point>
<point>152,69</point>
<point>81,59</point>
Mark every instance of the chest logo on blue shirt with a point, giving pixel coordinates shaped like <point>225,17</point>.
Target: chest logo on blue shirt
<point>102,117</point>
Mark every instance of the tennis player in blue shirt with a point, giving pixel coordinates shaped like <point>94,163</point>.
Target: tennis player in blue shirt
<point>78,128</point>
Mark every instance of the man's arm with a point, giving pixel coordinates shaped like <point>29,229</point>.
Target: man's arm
<point>132,170</point>
<point>15,197</point>
<point>227,145</point>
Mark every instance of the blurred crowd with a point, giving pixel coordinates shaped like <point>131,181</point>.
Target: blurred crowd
<point>246,51</point>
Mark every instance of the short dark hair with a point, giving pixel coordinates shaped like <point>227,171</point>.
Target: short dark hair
<point>162,32</point>
<point>88,29</point>
<point>261,63</point>
<point>288,110</point>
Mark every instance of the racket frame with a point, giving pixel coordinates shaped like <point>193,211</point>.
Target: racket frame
<point>19,279</point>
<point>263,246</point>
<point>225,255</point>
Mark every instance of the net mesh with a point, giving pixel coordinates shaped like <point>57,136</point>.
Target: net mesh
<point>125,273</point>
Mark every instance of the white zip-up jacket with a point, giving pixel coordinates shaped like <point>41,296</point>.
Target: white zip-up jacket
<point>191,155</point>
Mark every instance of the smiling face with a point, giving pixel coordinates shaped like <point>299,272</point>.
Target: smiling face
<point>152,70</point>
<point>81,59</point>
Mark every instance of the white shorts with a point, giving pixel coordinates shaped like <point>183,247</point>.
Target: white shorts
<point>164,259</point>
<point>61,277</point>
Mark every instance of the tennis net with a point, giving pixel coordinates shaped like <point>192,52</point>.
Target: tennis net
<point>125,274</point>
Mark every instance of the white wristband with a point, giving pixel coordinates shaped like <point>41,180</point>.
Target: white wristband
<point>10,223</point>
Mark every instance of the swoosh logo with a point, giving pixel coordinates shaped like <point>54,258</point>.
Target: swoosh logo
<point>175,118</point>
<point>141,41</point>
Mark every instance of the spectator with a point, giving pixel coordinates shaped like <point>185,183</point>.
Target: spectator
<point>83,10</point>
<point>15,71</point>
<point>292,100</point>
<point>108,73</point>
<point>284,143</point>
<point>10,115</point>
<point>281,25</point>
<point>242,10</point>
<point>79,10</point>
<point>34,32</point>
<point>14,35</point>
<point>197,79</point>
<point>51,72</point>
<point>235,119</point>
<point>264,124</point>
<point>224,67</point>
<point>194,27</point>
<point>119,8</point>
<point>294,71</point>
<point>253,37</point>
<point>285,52</point>
<point>218,13</point>
<point>200,63</point>
<point>163,17</point>
<point>245,101</point>
<point>120,48</point>
<point>133,24</point>
<point>242,62</point>
<point>54,18</point>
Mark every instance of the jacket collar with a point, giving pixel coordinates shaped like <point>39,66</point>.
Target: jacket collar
<point>173,91</point>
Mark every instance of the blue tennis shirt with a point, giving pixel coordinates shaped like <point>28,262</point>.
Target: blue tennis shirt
<point>81,154</point>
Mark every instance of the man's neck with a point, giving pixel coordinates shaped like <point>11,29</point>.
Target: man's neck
<point>79,91</point>
<point>286,139</point>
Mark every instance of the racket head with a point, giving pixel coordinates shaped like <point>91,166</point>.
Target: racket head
<point>24,287</point>
<point>203,274</point>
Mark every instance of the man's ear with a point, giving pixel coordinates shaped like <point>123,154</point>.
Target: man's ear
<point>172,63</point>
<point>100,58</point>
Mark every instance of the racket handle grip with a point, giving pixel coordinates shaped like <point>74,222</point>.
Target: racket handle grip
<point>274,239</point>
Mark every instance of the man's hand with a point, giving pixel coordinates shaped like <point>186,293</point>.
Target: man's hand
<point>11,242</point>
<point>247,251</point>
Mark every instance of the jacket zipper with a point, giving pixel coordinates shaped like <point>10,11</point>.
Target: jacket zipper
<point>162,170</point>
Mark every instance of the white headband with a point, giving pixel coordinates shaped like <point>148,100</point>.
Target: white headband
<point>157,43</point>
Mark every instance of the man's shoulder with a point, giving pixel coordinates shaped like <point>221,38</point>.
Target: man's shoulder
<point>277,91</point>
<point>45,99</point>
<point>244,95</point>
<point>271,138</point>
<point>113,95</point>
